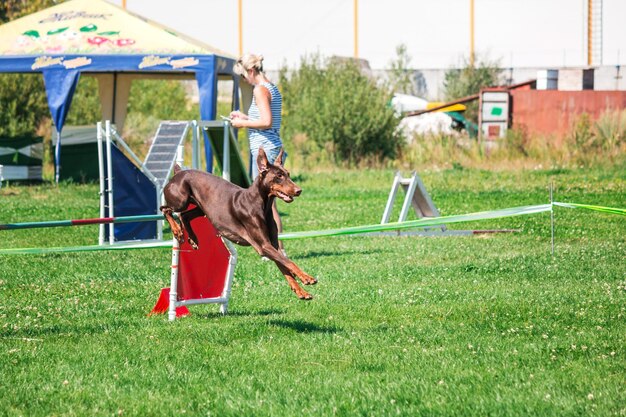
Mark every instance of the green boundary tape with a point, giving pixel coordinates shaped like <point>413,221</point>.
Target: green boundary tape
<point>437,221</point>
<point>611,210</point>
<point>484,215</point>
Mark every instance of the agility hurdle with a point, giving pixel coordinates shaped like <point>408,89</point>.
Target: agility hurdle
<point>201,276</point>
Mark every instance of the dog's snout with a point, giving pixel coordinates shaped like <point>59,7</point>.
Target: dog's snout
<point>298,191</point>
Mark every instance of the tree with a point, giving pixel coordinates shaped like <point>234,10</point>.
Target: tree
<point>400,76</point>
<point>469,80</point>
<point>345,113</point>
<point>13,9</point>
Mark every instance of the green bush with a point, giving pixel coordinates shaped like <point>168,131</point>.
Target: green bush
<point>332,110</point>
<point>600,140</point>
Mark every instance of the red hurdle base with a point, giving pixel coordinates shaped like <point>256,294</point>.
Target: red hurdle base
<point>202,276</point>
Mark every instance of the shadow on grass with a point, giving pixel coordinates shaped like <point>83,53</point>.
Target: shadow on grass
<point>239,313</point>
<point>303,327</point>
<point>318,254</point>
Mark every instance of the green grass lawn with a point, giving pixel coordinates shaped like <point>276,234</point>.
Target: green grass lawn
<point>483,325</point>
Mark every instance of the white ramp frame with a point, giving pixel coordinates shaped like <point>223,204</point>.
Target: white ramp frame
<point>110,181</point>
<point>110,136</point>
<point>195,145</point>
<point>101,178</point>
<point>226,153</point>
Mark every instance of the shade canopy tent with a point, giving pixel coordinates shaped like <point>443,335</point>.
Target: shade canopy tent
<point>100,39</point>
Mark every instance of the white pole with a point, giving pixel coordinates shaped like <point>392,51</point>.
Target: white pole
<point>102,186</point>
<point>194,145</point>
<point>159,193</point>
<point>226,155</point>
<point>232,263</point>
<point>110,180</point>
<point>174,281</point>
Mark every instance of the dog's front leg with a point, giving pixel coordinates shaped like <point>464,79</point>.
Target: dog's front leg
<point>303,295</point>
<point>288,268</point>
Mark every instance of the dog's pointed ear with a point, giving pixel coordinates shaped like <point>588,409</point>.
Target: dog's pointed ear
<point>261,161</point>
<point>279,158</point>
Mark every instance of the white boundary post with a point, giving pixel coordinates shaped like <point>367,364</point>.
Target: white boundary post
<point>102,186</point>
<point>171,315</point>
<point>110,180</point>
<point>552,218</point>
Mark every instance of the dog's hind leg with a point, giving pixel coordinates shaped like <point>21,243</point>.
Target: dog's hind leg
<point>176,229</point>
<point>186,217</point>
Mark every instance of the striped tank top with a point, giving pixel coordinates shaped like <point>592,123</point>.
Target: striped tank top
<point>267,138</point>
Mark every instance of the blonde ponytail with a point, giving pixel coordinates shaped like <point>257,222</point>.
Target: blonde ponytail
<point>248,61</point>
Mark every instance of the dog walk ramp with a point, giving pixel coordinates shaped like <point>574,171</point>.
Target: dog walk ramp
<point>162,155</point>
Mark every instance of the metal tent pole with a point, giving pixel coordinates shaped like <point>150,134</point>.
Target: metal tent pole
<point>57,157</point>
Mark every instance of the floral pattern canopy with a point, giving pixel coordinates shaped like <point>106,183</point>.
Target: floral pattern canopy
<point>96,36</point>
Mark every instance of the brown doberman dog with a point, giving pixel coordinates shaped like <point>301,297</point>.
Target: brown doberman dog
<point>241,215</point>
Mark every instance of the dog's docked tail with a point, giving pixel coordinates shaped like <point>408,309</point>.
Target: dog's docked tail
<point>177,169</point>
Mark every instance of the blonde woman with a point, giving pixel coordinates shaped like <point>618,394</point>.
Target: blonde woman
<point>263,119</point>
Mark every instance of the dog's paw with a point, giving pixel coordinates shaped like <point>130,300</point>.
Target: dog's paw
<point>305,296</point>
<point>308,280</point>
<point>193,244</point>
